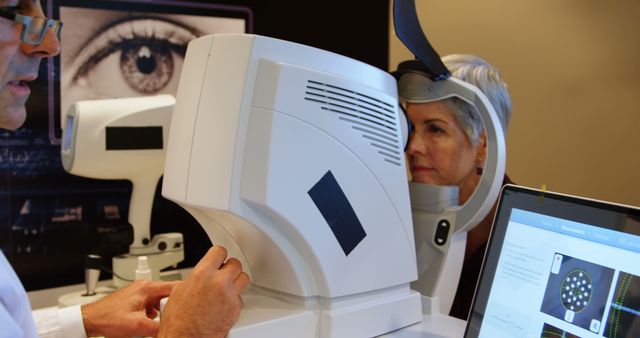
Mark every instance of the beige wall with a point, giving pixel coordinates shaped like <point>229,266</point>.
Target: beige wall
<point>573,69</point>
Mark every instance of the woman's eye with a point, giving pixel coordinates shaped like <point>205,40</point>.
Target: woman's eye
<point>132,57</point>
<point>433,128</point>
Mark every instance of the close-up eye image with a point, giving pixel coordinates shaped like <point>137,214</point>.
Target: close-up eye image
<point>115,54</point>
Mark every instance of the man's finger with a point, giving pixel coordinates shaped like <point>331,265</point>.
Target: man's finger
<point>232,266</point>
<point>213,259</point>
<point>155,291</point>
<point>241,282</point>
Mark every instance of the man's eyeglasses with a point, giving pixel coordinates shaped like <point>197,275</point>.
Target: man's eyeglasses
<point>33,27</point>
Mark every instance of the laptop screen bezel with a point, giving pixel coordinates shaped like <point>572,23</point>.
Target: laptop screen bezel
<point>582,210</point>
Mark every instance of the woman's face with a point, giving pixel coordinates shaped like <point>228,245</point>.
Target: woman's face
<point>439,152</point>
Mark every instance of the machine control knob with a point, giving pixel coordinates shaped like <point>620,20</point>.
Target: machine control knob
<point>442,232</point>
<point>162,246</point>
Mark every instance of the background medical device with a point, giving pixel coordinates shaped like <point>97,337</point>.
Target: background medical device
<point>440,223</point>
<point>126,139</point>
<point>292,158</point>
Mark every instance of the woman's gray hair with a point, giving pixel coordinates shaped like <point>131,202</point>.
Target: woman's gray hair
<point>478,72</point>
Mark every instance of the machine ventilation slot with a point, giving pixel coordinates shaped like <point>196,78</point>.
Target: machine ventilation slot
<point>374,118</point>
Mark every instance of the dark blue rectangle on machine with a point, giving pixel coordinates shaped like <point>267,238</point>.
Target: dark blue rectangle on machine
<point>134,138</point>
<point>337,211</point>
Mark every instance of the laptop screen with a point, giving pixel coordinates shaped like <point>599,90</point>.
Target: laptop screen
<point>559,266</point>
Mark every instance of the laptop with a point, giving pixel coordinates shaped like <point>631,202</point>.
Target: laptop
<point>559,266</point>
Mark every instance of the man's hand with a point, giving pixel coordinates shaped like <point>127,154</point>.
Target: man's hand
<point>128,311</point>
<point>208,302</point>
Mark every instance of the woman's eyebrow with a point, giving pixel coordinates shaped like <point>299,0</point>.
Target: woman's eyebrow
<point>434,119</point>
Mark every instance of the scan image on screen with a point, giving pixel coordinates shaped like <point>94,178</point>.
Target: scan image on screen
<point>577,291</point>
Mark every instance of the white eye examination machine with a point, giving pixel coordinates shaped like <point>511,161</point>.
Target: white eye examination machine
<point>293,159</point>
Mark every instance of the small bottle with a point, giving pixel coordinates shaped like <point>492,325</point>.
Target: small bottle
<point>143,273</point>
<point>142,270</point>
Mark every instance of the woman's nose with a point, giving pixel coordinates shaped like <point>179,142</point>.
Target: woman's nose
<point>416,145</point>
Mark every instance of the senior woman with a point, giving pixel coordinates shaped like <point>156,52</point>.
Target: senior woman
<point>448,147</point>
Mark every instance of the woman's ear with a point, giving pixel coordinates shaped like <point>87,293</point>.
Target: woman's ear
<point>481,149</point>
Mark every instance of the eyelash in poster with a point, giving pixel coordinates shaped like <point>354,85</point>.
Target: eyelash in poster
<point>146,48</point>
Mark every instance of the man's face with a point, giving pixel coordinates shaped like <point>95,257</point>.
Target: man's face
<point>19,61</point>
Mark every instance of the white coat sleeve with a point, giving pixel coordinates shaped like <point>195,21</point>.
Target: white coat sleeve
<point>10,328</point>
<point>59,323</point>
<point>15,311</point>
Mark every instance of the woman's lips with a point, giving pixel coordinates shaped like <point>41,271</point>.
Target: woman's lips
<point>420,169</point>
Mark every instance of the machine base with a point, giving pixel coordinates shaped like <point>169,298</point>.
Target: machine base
<point>265,316</point>
<point>432,326</point>
<point>80,297</point>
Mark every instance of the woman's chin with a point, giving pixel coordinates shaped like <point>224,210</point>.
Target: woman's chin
<point>426,179</point>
